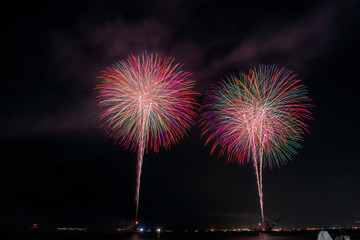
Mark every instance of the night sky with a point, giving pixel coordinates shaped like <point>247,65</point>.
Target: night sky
<point>59,169</point>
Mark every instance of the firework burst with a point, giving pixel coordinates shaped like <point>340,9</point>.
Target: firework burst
<point>146,103</point>
<point>257,118</point>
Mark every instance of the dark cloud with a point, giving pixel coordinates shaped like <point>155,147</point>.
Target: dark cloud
<point>306,38</point>
<point>99,45</point>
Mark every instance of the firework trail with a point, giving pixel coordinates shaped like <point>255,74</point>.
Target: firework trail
<point>257,118</point>
<point>146,103</point>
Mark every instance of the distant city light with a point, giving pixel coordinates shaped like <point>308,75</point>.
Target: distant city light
<point>71,229</point>
<point>158,230</point>
<point>141,229</point>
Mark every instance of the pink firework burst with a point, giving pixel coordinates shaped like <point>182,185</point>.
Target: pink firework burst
<point>257,117</point>
<point>146,103</point>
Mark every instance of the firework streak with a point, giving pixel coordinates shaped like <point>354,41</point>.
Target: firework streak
<point>257,118</point>
<point>146,103</point>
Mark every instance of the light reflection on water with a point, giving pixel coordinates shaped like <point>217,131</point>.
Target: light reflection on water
<point>261,236</point>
